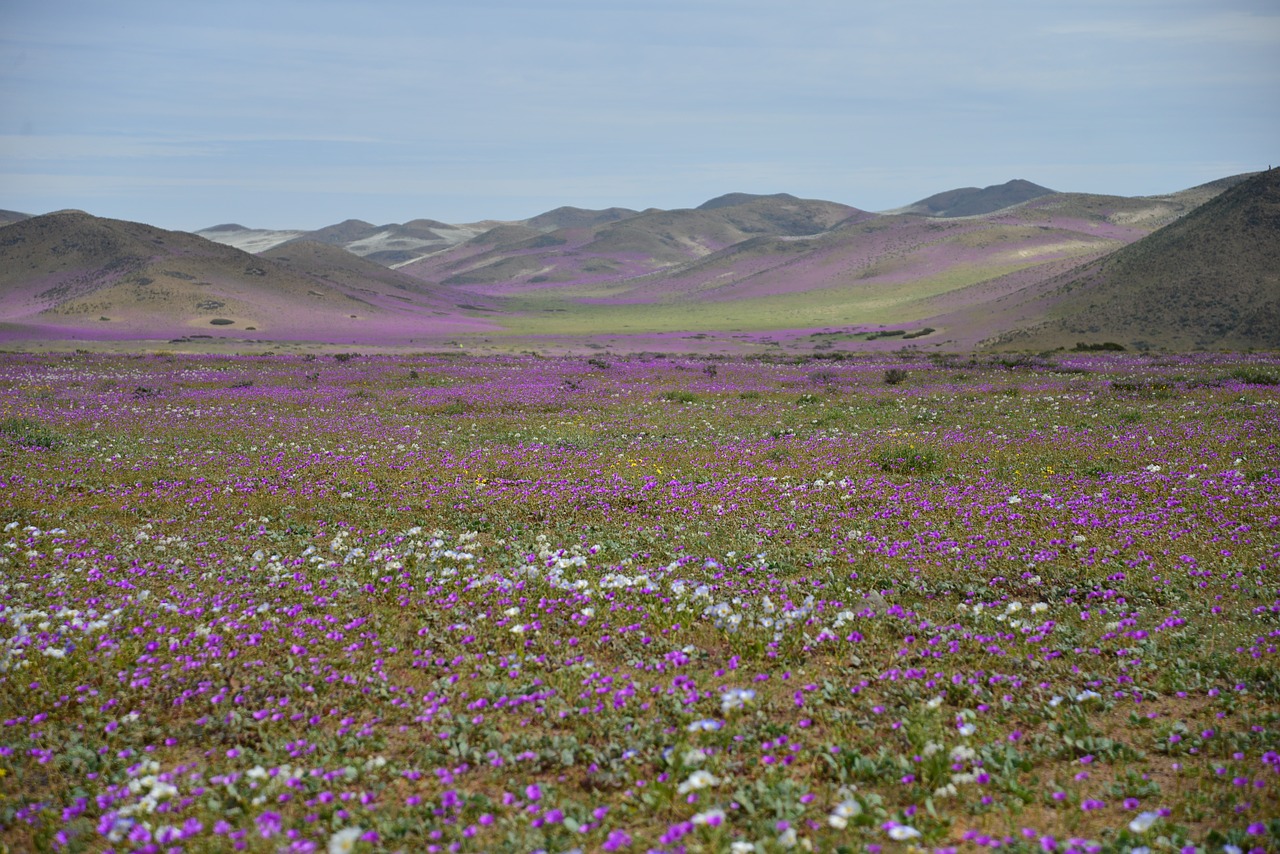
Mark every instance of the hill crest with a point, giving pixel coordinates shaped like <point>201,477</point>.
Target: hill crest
<point>975,201</point>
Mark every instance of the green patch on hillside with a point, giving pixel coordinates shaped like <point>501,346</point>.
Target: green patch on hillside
<point>866,303</point>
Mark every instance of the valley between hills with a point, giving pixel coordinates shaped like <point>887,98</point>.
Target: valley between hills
<point>1014,266</point>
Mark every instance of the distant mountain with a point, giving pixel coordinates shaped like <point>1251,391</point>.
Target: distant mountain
<point>1207,280</point>
<point>7,217</point>
<point>1194,268</point>
<point>75,275</point>
<point>335,266</point>
<point>729,200</point>
<point>567,217</point>
<point>389,245</point>
<point>509,260</point>
<point>248,239</point>
<point>974,201</point>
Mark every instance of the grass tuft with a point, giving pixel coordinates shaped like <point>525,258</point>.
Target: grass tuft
<point>909,459</point>
<point>29,433</point>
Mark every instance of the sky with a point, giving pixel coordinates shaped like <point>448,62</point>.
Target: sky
<point>304,113</point>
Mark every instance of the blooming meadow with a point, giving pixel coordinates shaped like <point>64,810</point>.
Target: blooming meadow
<point>440,603</point>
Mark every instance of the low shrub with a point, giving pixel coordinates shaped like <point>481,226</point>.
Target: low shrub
<point>29,433</point>
<point>1250,375</point>
<point>895,376</point>
<point>909,459</point>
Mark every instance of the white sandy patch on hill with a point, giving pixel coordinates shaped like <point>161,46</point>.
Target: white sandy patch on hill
<point>251,240</point>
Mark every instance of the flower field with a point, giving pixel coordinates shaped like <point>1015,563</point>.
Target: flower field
<point>448,603</point>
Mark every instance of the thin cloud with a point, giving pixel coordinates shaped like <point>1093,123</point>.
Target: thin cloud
<point>1226,28</point>
<point>38,147</point>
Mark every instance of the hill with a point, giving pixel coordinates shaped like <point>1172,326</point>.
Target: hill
<point>499,264</point>
<point>973,201</point>
<point>1210,279</point>
<point>1195,268</point>
<point>569,217</point>
<point>74,275</point>
<point>390,245</point>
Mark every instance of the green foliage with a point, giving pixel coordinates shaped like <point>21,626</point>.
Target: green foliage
<point>1251,375</point>
<point>29,433</point>
<point>895,376</point>
<point>559,590</point>
<point>909,459</point>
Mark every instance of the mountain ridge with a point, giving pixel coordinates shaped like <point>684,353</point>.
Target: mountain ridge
<point>1013,277</point>
<point>974,201</point>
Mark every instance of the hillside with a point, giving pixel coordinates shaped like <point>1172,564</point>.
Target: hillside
<point>74,275</point>
<point>390,245</point>
<point>744,269</point>
<point>973,201</point>
<point>1211,279</point>
<point>569,217</point>
<point>624,249</point>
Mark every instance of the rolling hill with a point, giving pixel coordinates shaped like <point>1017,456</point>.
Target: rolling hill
<point>518,262</point>
<point>389,245</point>
<point>1195,268</point>
<point>70,274</point>
<point>397,244</point>
<point>1210,279</point>
<point>973,201</point>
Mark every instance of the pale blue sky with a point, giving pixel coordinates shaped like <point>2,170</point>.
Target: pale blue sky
<point>301,113</point>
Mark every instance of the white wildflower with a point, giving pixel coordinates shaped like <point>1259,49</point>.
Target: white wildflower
<point>344,841</point>
<point>694,756</point>
<point>705,725</point>
<point>699,779</point>
<point>736,698</point>
<point>844,811</point>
